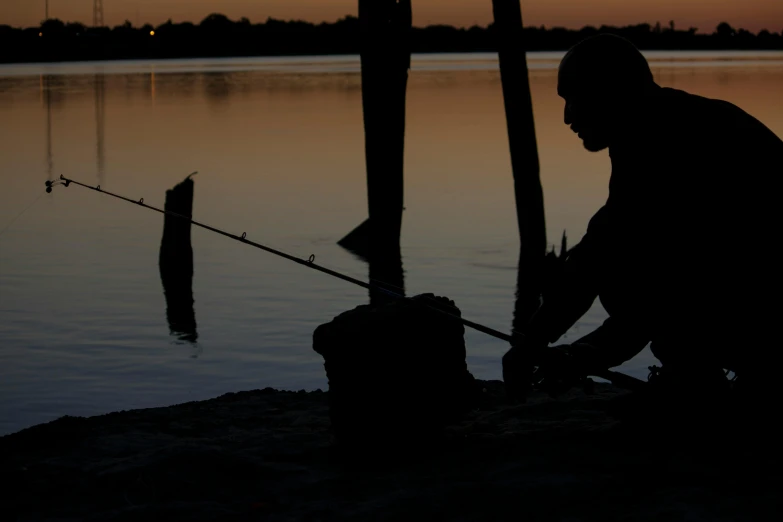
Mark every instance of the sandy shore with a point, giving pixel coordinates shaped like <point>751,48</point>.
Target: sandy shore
<point>269,455</point>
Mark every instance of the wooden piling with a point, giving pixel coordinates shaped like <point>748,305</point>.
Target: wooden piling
<point>528,194</point>
<point>176,262</point>
<point>508,34</point>
<point>385,60</point>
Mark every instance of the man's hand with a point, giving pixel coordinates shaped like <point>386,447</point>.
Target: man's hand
<point>562,367</point>
<point>554,369</point>
<point>518,367</point>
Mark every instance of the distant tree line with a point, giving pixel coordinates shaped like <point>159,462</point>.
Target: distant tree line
<point>218,36</point>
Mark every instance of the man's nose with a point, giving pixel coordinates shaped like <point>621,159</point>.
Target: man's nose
<point>568,114</point>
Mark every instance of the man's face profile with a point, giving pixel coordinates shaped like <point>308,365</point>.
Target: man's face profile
<point>587,107</point>
<point>600,78</point>
<point>588,117</point>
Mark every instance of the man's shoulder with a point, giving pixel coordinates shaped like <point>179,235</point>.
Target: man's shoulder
<point>697,109</point>
<point>679,100</point>
<point>719,121</point>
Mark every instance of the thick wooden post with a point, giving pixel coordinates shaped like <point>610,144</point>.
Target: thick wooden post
<point>385,61</point>
<point>176,262</point>
<point>529,196</point>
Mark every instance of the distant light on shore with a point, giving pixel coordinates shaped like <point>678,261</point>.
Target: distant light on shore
<point>152,33</point>
<point>40,34</point>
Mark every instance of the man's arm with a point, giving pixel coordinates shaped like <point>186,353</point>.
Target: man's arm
<point>577,289</point>
<point>610,345</point>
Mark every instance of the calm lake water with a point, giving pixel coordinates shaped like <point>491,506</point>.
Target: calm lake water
<point>278,144</point>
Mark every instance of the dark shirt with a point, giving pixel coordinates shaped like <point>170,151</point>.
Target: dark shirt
<point>682,253</point>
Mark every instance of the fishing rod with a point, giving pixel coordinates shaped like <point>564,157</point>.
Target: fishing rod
<point>619,379</point>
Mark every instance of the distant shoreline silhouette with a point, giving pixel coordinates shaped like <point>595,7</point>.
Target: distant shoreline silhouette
<point>217,36</point>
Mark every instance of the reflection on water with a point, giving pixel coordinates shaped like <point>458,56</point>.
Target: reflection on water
<point>295,65</point>
<point>84,326</point>
<point>386,272</point>
<point>100,125</point>
<point>54,92</point>
<point>46,91</point>
<point>217,86</point>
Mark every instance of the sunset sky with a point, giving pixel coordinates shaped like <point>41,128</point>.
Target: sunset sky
<point>703,14</point>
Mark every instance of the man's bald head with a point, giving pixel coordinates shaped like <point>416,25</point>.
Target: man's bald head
<point>599,79</point>
<point>604,63</point>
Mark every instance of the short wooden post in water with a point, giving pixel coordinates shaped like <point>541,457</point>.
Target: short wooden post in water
<point>176,262</point>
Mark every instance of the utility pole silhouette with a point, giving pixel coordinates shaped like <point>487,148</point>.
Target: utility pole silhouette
<point>46,15</point>
<point>97,13</point>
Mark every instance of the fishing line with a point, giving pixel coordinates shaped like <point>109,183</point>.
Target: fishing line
<point>619,379</point>
<point>28,207</point>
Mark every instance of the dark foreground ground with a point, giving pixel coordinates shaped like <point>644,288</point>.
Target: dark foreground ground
<point>268,455</point>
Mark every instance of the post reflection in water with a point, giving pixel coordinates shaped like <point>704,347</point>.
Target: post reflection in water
<point>176,263</point>
<point>536,285</point>
<point>218,87</point>
<point>385,263</point>
<point>386,272</point>
<point>527,298</point>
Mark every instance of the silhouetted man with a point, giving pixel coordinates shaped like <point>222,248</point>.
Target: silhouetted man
<point>682,252</point>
